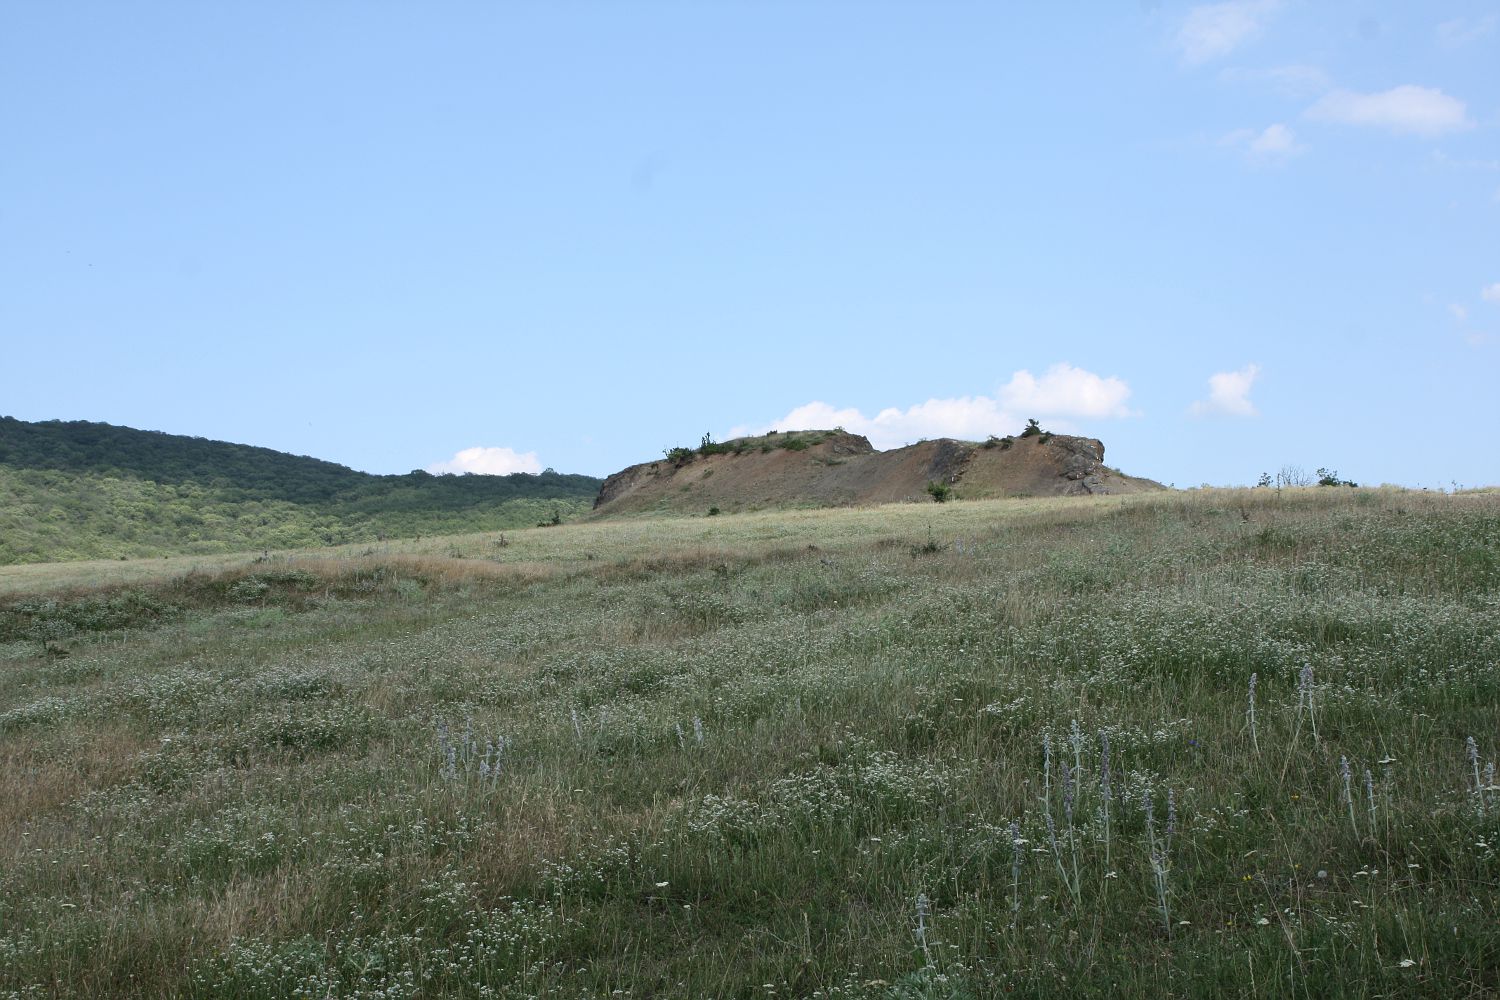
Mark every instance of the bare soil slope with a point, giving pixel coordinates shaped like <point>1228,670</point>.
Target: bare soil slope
<point>835,468</point>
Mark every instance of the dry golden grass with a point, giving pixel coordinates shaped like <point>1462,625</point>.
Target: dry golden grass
<point>636,545</point>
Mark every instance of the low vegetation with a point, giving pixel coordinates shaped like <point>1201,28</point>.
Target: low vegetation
<point>81,490</point>
<point>1223,743</point>
<point>765,443</point>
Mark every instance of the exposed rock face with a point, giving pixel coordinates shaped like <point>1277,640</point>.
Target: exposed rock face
<point>834,468</point>
<point>1084,463</point>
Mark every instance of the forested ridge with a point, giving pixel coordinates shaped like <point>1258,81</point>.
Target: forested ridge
<point>78,490</point>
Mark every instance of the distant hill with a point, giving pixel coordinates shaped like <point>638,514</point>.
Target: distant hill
<point>835,468</point>
<point>81,490</point>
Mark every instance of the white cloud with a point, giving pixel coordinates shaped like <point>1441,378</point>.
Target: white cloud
<point>1272,143</point>
<point>1229,394</point>
<point>1066,391</point>
<point>1490,293</point>
<point>488,462</point>
<point>1459,312</point>
<point>1404,109</point>
<point>1463,30</point>
<point>1062,391</point>
<point>1214,30</point>
<point>1288,81</point>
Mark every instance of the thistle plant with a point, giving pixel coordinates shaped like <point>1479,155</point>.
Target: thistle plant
<point>1171,819</point>
<point>1105,792</point>
<point>1250,713</point>
<point>1016,843</point>
<point>1305,693</point>
<point>924,908</point>
<point>1070,881</point>
<point>1047,773</point>
<point>464,755</point>
<point>1158,851</point>
<point>1370,798</point>
<point>1348,792</point>
<point>489,764</point>
<point>1056,851</point>
<point>1304,703</point>
<point>1070,791</point>
<point>1472,750</point>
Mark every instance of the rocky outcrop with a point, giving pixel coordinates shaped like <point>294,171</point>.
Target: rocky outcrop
<point>1084,463</point>
<point>834,468</point>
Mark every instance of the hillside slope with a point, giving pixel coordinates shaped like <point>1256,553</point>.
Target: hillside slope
<point>80,490</point>
<point>835,468</point>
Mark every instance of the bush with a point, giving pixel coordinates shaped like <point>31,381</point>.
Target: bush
<point>1328,477</point>
<point>679,455</point>
<point>713,512</point>
<point>941,492</point>
<point>708,446</point>
<point>1032,428</point>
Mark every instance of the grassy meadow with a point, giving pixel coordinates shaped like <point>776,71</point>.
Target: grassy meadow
<point>1221,743</point>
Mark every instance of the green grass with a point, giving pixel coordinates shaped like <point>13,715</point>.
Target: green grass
<point>48,516</point>
<point>77,490</point>
<point>724,757</point>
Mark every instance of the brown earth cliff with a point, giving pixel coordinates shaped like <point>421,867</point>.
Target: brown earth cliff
<point>835,468</point>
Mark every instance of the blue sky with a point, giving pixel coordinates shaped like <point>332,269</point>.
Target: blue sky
<point>1222,238</point>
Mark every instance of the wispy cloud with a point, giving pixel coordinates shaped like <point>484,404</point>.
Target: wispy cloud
<point>1272,144</point>
<point>1211,31</point>
<point>488,462</point>
<point>1229,394</point>
<point>1491,293</point>
<point>1406,109</point>
<point>1442,159</point>
<point>1459,312</point>
<point>1288,81</point>
<point>1463,30</point>
<point>1062,391</point>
